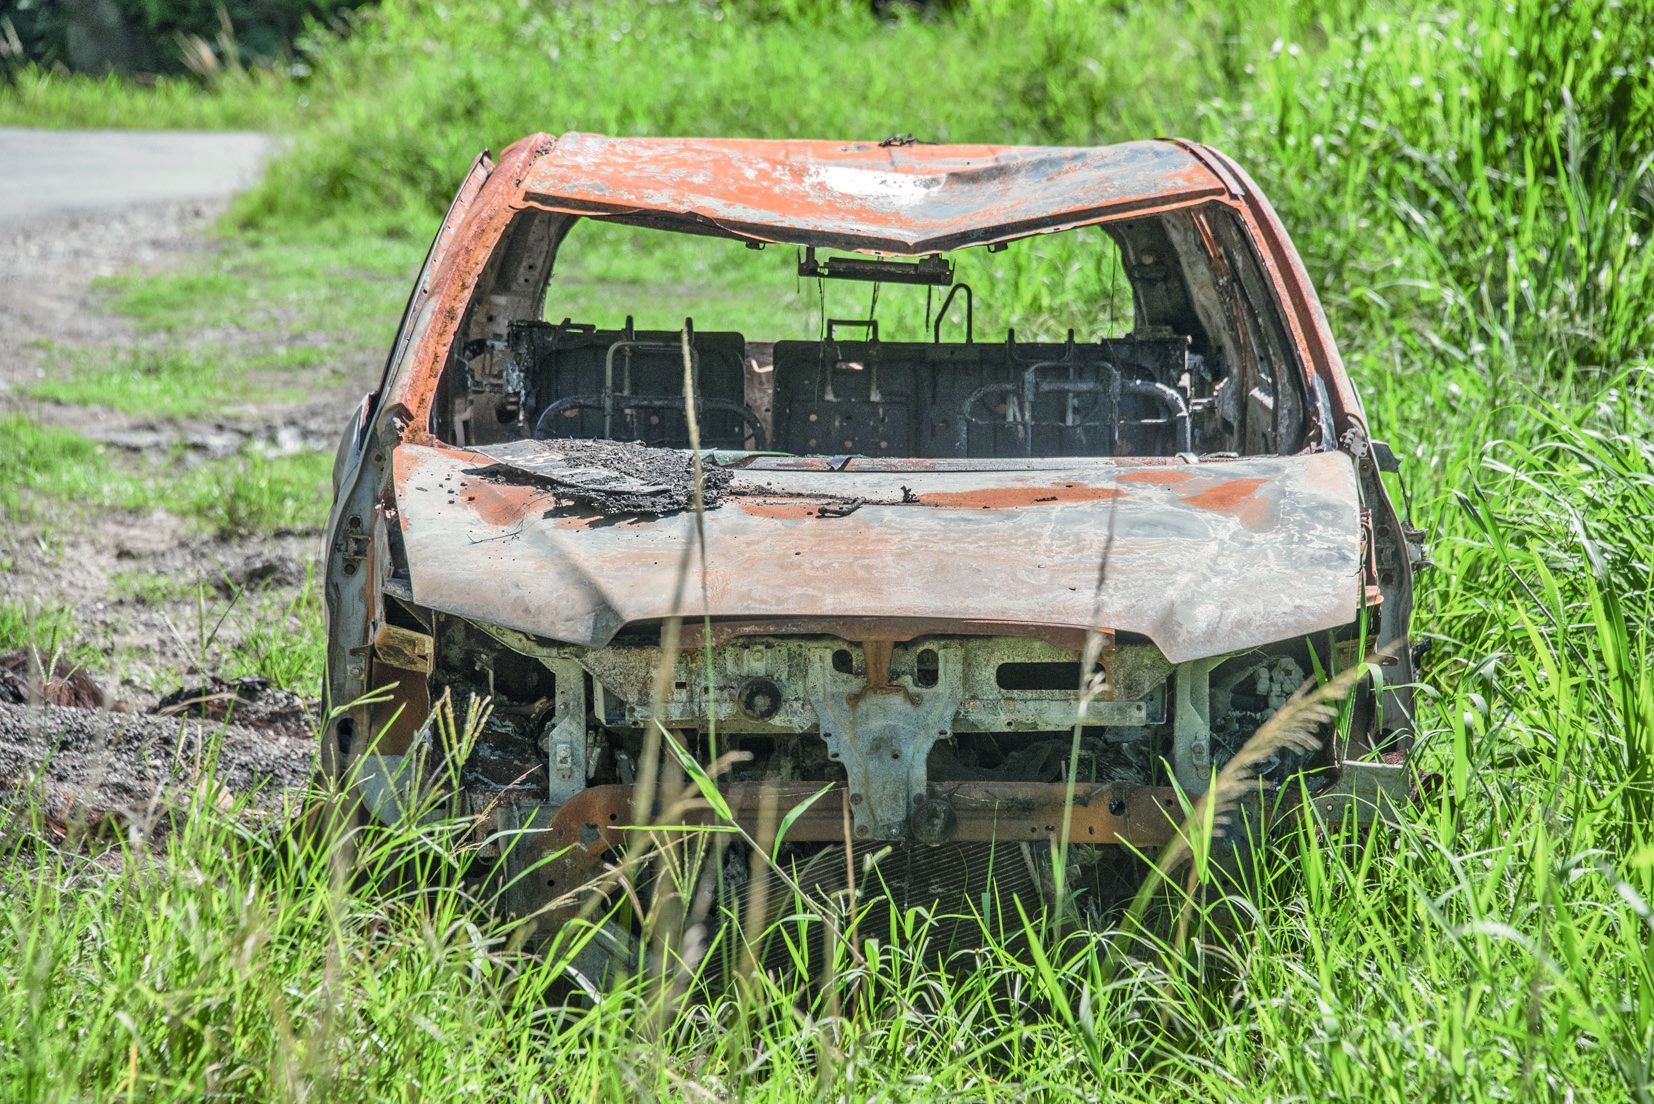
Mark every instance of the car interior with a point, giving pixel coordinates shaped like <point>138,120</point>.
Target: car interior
<point>1198,373</point>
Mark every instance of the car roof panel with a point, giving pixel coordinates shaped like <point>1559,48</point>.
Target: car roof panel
<point>902,199</point>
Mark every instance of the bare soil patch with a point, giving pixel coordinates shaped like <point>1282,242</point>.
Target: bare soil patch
<point>97,767</point>
<point>158,602</point>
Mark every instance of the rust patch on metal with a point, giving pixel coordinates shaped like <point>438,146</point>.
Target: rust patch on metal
<point>599,818</point>
<point>792,509</point>
<point>503,504</point>
<point>403,648</point>
<point>1235,496</point>
<point>408,702</point>
<point>583,521</point>
<point>876,660</point>
<point>1016,498</point>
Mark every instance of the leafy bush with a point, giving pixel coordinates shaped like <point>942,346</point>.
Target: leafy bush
<point>159,35</point>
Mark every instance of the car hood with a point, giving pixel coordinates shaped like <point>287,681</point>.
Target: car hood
<point>1201,558</point>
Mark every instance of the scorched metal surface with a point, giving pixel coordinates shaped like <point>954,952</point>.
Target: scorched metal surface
<point>907,634</point>
<point>1202,559</point>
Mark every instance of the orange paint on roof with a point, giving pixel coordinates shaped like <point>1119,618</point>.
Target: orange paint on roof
<point>899,199</point>
<point>785,510</point>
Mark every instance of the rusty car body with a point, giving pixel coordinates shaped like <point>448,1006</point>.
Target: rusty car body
<point>965,594</point>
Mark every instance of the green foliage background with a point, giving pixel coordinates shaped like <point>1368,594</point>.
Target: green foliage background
<point>262,31</point>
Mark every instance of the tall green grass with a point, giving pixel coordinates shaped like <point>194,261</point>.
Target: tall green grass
<point>1471,188</point>
<point>994,72</point>
<point>1499,942</point>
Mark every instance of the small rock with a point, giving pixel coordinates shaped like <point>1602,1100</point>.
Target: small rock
<point>29,676</point>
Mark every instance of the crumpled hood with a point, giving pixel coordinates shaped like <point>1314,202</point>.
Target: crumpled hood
<point>1202,559</point>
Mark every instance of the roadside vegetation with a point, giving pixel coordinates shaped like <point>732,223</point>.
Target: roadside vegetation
<point>41,98</point>
<point>250,492</point>
<point>1472,187</point>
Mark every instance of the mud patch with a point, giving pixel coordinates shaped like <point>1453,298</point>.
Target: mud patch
<point>261,569</point>
<point>48,268</point>
<point>144,598</point>
<point>249,701</point>
<point>215,440</point>
<point>28,676</point>
<point>157,601</point>
<point>91,765</point>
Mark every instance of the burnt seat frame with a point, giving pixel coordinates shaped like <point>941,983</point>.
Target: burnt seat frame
<point>627,384</point>
<point>1115,396</point>
<point>869,397</point>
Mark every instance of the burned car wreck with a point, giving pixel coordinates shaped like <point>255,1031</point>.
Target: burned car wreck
<point>942,584</point>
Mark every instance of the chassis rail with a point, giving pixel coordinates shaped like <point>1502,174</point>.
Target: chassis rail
<point>601,818</point>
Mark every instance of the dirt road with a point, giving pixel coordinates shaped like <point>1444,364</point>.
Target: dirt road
<point>76,206</point>
<point>49,173</point>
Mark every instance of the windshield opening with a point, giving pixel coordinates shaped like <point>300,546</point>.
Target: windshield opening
<point>1138,339</point>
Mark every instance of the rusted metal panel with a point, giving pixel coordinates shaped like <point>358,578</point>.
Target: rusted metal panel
<point>692,633</point>
<point>403,648</point>
<point>481,213</point>
<point>907,199</point>
<point>1304,317</point>
<point>1201,559</point>
<point>573,840</point>
<point>1365,792</point>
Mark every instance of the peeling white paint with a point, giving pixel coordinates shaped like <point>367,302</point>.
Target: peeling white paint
<point>872,183</point>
